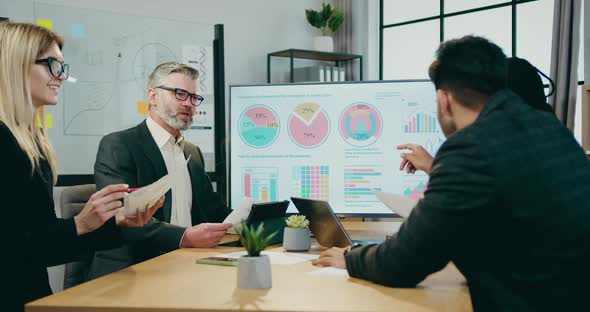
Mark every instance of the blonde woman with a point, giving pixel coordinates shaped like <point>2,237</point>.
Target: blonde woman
<point>32,70</point>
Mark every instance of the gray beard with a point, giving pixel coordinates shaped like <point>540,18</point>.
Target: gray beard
<point>173,122</point>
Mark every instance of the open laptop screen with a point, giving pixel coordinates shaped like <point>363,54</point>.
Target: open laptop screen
<point>323,223</point>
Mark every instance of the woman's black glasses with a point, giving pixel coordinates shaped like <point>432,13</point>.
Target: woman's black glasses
<point>56,68</point>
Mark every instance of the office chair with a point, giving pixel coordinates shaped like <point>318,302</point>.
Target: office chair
<point>72,201</point>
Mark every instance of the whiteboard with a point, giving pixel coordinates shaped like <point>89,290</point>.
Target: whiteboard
<point>111,56</point>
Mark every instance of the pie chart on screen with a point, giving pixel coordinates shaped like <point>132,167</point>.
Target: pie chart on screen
<point>258,126</point>
<point>308,125</point>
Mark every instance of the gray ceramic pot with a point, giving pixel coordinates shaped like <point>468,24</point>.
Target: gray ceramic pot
<point>254,272</point>
<point>296,239</point>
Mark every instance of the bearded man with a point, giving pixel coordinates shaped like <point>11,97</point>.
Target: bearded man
<point>143,154</point>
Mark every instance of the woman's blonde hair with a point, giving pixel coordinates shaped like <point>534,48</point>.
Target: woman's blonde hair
<point>20,45</point>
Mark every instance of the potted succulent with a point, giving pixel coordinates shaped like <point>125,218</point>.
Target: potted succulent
<point>327,20</point>
<point>254,268</point>
<point>297,235</point>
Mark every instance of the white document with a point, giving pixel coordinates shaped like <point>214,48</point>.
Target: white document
<point>146,196</point>
<point>397,203</point>
<point>280,258</point>
<point>238,215</point>
<point>330,272</point>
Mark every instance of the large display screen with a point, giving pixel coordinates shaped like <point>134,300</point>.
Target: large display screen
<point>330,141</point>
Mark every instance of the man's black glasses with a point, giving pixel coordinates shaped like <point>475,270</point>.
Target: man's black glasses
<point>182,95</point>
<point>56,68</point>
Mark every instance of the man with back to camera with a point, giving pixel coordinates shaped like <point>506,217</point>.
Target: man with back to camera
<point>141,155</point>
<point>508,199</point>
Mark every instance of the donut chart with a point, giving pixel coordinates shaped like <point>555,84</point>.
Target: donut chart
<point>361,124</point>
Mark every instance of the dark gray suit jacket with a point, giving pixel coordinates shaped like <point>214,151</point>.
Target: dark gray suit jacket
<point>508,202</point>
<point>131,156</point>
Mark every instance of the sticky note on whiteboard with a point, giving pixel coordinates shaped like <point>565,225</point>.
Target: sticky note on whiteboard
<point>78,31</point>
<point>142,108</point>
<point>47,23</point>
<point>48,121</point>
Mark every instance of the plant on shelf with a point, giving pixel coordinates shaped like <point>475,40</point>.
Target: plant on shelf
<point>297,235</point>
<point>254,269</point>
<point>328,19</point>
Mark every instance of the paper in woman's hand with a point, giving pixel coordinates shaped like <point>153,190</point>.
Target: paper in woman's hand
<point>146,196</point>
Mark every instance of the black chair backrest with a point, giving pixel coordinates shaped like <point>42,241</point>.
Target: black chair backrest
<point>72,201</point>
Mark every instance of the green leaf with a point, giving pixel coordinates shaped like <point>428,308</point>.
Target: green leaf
<point>254,240</point>
<point>259,230</point>
<point>269,237</point>
<point>336,20</point>
<point>326,12</point>
<point>315,19</point>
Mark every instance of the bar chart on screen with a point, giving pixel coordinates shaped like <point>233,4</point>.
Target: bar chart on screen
<point>360,182</point>
<point>421,122</point>
<point>260,183</point>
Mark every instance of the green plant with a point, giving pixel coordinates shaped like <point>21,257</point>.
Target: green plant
<point>297,222</point>
<point>254,240</point>
<point>327,19</point>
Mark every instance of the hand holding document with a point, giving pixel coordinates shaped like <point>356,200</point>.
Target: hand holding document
<point>238,215</point>
<point>397,203</point>
<point>146,196</point>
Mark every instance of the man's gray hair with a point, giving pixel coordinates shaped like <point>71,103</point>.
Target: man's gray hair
<point>163,70</point>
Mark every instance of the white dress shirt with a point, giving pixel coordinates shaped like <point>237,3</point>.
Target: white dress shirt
<point>172,152</point>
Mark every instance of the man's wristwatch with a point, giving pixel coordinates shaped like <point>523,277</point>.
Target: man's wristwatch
<point>351,247</point>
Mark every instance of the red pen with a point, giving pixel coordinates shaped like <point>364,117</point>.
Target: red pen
<point>132,189</point>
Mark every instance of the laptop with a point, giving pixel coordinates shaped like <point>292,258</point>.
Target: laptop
<point>323,223</point>
<point>273,216</point>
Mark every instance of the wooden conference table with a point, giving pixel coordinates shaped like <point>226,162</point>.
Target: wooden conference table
<point>174,282</point>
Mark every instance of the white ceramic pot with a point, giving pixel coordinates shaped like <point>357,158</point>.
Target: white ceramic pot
<point>254,272</point>
<point>296,239</point>
<point>323,43</point>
